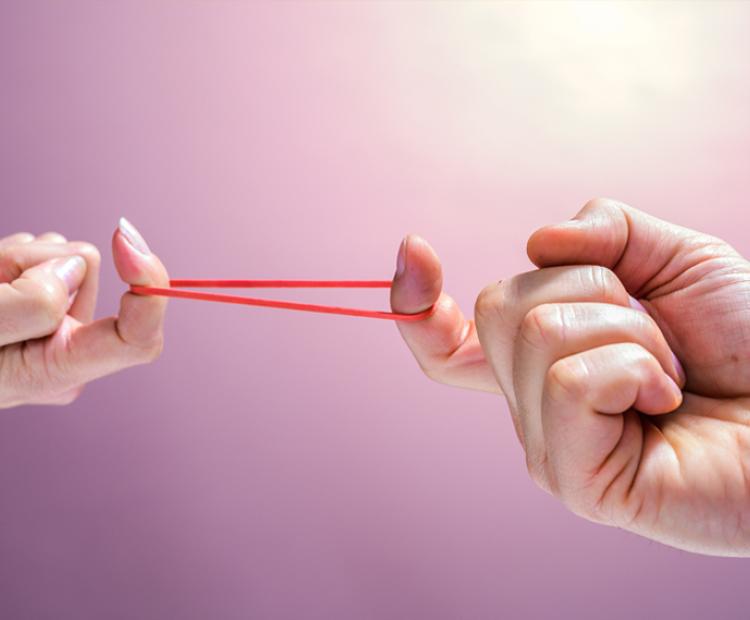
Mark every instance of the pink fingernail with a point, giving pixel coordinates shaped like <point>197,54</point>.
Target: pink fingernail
<point>677,391</point>
<point>678,368</point>
<point>636,305</point>
<point>401,259</point>
<point>133,237</point>
<point>70,270</point>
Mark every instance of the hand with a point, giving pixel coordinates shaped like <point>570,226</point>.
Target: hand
<point>594,389</point>
<point>49,346</point>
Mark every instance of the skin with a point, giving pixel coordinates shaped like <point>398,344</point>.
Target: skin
<point>49,347</point>
<point>610,422</point>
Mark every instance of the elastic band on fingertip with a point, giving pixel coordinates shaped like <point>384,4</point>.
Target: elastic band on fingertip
<point>175,285</point>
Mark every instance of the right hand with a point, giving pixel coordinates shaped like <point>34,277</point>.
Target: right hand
<point>592,384</point>
<point>445,344</point>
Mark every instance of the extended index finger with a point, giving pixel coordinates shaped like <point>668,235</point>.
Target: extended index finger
<point>135,335</point>
<point>445,344</point>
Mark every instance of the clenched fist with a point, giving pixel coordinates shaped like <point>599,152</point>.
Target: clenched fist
<point>625,363</point>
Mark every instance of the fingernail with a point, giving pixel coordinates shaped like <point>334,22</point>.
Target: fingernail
<point>70,270</point>
<point>679,369</point>
<point>573,223</point>
<point>636,305</point>
<point>677,392</point>
<point>401,259</point>
<point>133,237</point>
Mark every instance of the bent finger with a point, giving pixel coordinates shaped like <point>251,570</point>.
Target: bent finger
<point>501,307</point>
<point>445,344</point>
<point>16,239</point>
<point>550,332</point>
<point>52,237</point>
<point>133,337</point>
<point>592,449</point>
<point>640,248</point>
<point>15,258</point>
<point>35,304</point>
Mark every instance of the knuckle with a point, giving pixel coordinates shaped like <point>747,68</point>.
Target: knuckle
<point>603,204</point>
<point>597,202</point>
<point>710,246</point>
<point>543,326</point>
<point>490,303</point>
<point>643,364</point>
<point>638,355</point>
<point>592,203</point>
<point>485,301</point>
<point>637,366</point>
<point>54,235</point>
<point>9,260</point>
<point>567,379</point>
<point>648,326</point>
<point>88,251</point>
<point>49,304</point>
<point>605,281</point>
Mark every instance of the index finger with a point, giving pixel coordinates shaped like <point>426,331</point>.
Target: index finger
<point>445,344</point>
<point>135,335</point>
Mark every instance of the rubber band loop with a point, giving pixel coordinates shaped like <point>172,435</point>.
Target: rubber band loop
<point>175,285</point>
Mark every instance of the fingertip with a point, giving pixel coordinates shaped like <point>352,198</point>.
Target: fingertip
<point>660,396</point>
<point>546,244</point>
<point>71,270</point>
<point>419,276</point>
<point>89,251</point>
<point>140,321</point>
<point>535,245</point>
<point>133,266</point>
<point>127,261</point>
<point>676,392</point>
<point>423,256</point>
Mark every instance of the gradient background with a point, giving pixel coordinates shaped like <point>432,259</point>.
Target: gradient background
<point>275,465</point>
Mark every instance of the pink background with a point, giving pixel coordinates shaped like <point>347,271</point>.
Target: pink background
<point>276,465</point>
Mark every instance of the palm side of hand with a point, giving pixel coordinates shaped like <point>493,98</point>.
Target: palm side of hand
<point>692,488</point>
<point>694,482</point>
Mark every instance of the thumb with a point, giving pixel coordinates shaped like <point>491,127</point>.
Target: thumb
<point>636,246</point>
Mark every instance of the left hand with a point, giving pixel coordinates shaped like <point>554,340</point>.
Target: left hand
<point>50,346</point>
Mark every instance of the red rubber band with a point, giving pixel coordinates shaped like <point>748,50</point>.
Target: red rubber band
<point>272,303</point>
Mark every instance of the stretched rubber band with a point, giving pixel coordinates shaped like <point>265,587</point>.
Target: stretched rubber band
<point>175,285</point>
